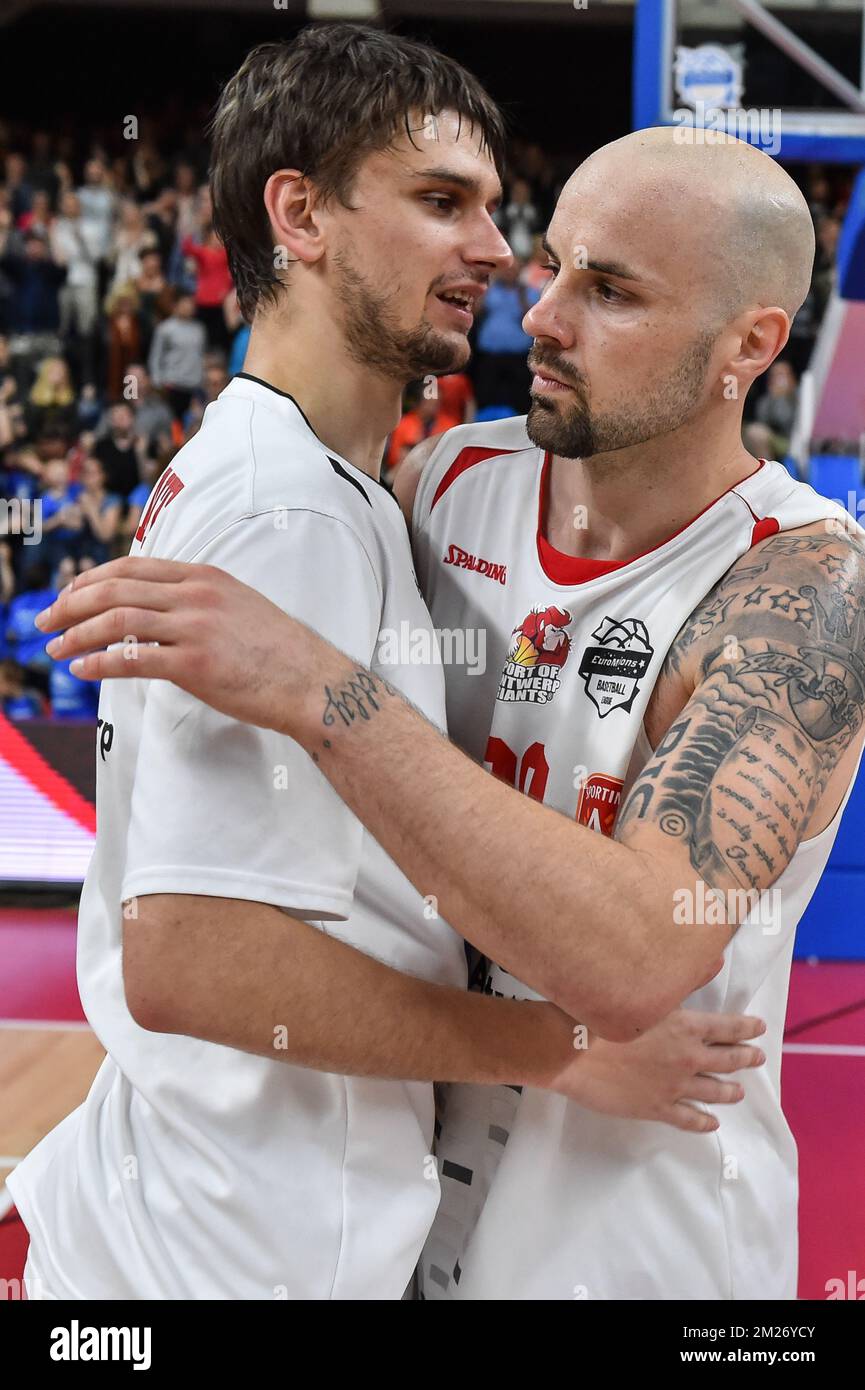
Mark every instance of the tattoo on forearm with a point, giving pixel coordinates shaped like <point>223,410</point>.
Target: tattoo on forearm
<point>358,698</point>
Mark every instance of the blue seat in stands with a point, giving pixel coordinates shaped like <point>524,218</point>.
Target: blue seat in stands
<point>495,412</point>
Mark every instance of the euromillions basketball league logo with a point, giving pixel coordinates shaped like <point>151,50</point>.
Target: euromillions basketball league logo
<point>613,669</point>
<point>537,652</point>
<point>708,76</point>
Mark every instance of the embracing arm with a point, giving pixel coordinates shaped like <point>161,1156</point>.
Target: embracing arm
<point>775,697</point>
<point>251,976</point>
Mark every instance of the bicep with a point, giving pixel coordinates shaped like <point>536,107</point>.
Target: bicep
<point>779,687</point>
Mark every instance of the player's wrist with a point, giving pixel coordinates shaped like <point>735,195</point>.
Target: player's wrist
<point>553,1042</point>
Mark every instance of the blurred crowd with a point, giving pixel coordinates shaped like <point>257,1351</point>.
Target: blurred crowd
<point>119,323</point>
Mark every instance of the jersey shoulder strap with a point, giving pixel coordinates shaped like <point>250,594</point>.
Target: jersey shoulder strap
<point>459,449</point>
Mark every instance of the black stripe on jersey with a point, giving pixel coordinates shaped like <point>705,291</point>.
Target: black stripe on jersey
<point>259,381</point>
<point>338,468</point>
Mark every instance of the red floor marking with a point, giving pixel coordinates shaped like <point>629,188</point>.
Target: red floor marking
<point>823,1104</point>
<point>37,965</point>
<point>816,990</point>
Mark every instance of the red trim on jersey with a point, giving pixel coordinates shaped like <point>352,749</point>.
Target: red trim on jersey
<point>577,569</point>
<point>20,754</point>
<point>465,459</point>
<point>767,527</point>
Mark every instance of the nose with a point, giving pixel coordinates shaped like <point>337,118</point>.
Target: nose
<point>545,320</point>
<point>488,247</point>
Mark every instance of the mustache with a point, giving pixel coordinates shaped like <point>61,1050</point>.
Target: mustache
<point>538,360</point>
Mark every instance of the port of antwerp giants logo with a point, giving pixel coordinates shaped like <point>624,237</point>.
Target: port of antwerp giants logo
<point>614,668</point>
<point>538,650</point>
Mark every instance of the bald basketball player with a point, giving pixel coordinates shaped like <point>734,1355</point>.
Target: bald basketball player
<point>674,659</point>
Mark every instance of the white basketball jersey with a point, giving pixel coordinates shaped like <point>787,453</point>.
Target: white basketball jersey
<point>542,1198</point>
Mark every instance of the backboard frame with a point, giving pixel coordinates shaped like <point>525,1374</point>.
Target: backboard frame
<point>819,135</point>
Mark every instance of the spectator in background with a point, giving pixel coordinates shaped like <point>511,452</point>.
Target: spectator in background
<point>51,406</point>
<point>124,338</point>
<point>148,169</point>
<point>176,361</point>
<point>240,332</point>
<point>132,238</point>
<point>518,219</point>
<point>18,700</point>
<point>25,643</point>
<point>42,173</point>
<point>818,194</point>
<point>98,204</point>
<point>213,286</point>
<point>828,230</point>
<point>777,408</point>
<point>75,245</point>
<point>71,698</point>
<point>117,451</point>
<point>758,440</point>
<point>162,220</point>
<point>536,273</point>
<point>100,510</point>
<point>187,199</point>
<point>34,308</point>
<point>153,419</point>
<point>82,448</point>
<point>501,374</point>
<point>19,189</point>
<point>39,217</point>
<point>215,377</point>
<point>456,400</point>
<point>139,495</point>
<point>418,422</point>
<point>154,297</point>
<point>62,518</point>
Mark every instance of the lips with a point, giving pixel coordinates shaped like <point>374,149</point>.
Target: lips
<point>460,300</point>
<point>540,370</point>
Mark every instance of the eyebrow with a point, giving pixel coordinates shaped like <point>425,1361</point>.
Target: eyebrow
<point>443,174</point>
<point>616,268</point>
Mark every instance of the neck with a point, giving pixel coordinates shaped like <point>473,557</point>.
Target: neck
<point>351,408</point>
<point>634,499</point>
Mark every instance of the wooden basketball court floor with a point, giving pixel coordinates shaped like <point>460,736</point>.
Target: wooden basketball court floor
<point>48,1057</point>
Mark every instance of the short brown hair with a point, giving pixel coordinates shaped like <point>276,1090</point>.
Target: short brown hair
<point>322,103</point>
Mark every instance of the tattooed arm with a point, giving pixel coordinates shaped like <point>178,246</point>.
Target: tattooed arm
<point>776,658</point>
<point>772,697</point>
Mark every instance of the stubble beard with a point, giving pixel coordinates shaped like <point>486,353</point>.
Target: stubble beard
<point>375,340</point>
<point>573,431</point>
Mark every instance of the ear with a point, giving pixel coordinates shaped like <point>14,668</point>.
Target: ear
<point>292,208</point>
<point>764,335</point>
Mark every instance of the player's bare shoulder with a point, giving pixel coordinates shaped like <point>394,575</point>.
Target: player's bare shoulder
<point>794,605</point>
<point>408,475</point>
<point>760,709</point>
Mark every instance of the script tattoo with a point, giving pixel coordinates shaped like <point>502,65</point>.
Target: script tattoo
<point>776,654</point>
<point>357,698</point>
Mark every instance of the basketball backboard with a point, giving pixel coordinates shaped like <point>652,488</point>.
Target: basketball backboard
<point>697,64</point>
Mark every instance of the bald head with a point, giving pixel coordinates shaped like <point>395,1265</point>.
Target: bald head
<point>731,216</point>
